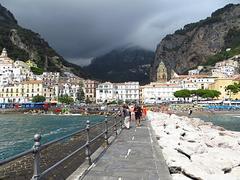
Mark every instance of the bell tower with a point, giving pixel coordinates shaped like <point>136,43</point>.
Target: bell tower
<point>162,73</point>
<point>4,53</point>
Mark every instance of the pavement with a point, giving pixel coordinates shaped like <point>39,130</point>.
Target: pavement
<point>133,155</point>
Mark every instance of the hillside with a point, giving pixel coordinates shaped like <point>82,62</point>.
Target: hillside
<point>24,44</point>
<point>201,43</point>
<point>120,65</point>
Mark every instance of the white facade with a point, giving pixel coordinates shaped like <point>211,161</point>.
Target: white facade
<point>225,70</point>
<point>105,92</point>
<point>68,89</point>
<point>13,72</point>
<point>128,91</point>
<point>159,92</point>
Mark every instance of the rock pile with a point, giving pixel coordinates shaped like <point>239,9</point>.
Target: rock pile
<point>194,149</point>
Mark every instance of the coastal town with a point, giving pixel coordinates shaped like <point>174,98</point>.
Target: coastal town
<point>112,90</point>
<point>20,83</point>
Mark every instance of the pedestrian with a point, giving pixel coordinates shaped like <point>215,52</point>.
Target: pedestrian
<point>126,115</point>
<point>190,112</point>
<point>138,115</point>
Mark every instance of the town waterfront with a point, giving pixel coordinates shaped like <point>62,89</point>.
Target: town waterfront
<point>17,131</point>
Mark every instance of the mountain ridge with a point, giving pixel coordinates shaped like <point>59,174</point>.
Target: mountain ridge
<point>122,64</point>
<point>24,44</point>
<point>196,42</point>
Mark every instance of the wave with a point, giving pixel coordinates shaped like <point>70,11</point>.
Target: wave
<point>52,132</point>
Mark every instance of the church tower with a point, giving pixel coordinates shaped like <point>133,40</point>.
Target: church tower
<point>4,53</point>
<point>162,73</point>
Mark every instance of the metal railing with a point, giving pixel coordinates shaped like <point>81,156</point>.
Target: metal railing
<point>37,147</point>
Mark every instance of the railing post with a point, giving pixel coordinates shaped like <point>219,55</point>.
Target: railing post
<point>106,130</point>
<point>115,125</point>
<point>36,157</point>
<point>87,152</point>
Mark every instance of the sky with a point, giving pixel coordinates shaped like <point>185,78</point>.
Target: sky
<point>82,29</point>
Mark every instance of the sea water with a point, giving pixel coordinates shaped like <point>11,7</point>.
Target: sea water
<point>228,121</point>
<point>17,131</point>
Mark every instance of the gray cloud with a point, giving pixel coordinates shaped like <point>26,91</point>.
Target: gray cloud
<point>81,29</point>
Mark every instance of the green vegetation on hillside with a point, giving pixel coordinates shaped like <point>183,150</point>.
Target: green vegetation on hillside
<point>215,17</point>
<point>232,40</point>
<point>29,45</point>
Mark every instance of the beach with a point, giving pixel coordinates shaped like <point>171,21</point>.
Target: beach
<point>195,149</point>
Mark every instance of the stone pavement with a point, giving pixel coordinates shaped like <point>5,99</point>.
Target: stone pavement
<point>134,155</point>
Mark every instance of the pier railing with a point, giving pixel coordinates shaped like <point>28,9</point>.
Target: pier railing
<point>59,158</point>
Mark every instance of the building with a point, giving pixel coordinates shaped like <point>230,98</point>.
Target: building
<point>226,68</point>
<point>127,91</point>
<point>162,75</point>
<point>105,92</point>
<point>20,93</point>
<point>50,78</point>
<point>68,89</point>
<point>159,92</point>
<point>195,71</point>
<point>51,93</point>
<point>193,82</point>
<point>221,84</point>
<point>89,88</point>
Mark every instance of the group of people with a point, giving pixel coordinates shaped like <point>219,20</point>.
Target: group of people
<point>132,113</point>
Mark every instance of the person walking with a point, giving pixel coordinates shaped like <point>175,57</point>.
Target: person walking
<point>126,115</point>
<point>190,112</point>
<point>138,115</point>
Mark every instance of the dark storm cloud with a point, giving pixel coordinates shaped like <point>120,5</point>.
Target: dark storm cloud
<point>82,29</point>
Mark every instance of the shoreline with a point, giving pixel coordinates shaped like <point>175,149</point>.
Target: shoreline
<point>178,113</point>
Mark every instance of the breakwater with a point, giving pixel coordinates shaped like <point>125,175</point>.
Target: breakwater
<point>195,149</point>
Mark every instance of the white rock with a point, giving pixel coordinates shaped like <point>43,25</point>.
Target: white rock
<point>179,177</point>
<point>236,172</point>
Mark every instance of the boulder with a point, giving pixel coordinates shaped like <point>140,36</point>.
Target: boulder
<point>179,177</point>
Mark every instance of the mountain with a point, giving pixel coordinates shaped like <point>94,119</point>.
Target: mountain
<point>121,65</point>
<point>201,43</point>
<point>24,44</point>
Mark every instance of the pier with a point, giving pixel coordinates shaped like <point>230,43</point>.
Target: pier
<point>133,155</point>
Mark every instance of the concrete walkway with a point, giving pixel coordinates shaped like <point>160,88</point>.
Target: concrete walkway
<point>134,155</point>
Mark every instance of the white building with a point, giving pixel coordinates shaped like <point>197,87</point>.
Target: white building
<point>68,89</point>
<point>226,68</point>
<point>226,71</point>
<point>195,71</point>
<point>14,72</point>
<point>194,81</point>
<point>159,92</point>
<point>105,92</point>
<point>127,91</point>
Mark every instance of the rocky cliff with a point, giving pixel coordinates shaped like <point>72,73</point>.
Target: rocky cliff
<point>196,42</point>
<point>121,65</point>
<point>24,44</point>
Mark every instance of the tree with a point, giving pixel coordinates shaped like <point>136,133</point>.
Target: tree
<point>210,94</point>
<point>80,95</point>
<point>88,101</point>
<point>37,71</point>
<point>66,99</point>
<point>184,93</point>
<point>38,98</point>
<point>233,88</point>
